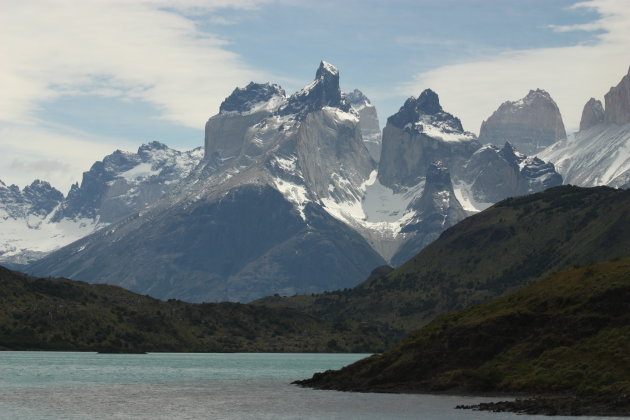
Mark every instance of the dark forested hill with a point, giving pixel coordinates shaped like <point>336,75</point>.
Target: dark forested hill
<point>61,314</point>
<point>567,334</point>
<point>499,250</point>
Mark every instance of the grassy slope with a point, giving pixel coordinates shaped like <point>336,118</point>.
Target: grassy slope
<point>568,333</point>
<point>60,314</point>
<point>489,254</point>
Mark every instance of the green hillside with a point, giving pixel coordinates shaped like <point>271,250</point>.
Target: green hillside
<point>568,335</point>
<point>61,314</point>
<point>492,253</point>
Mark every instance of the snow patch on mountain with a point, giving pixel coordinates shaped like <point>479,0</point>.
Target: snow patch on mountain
<point>294,193</point>
<point>443,132</point>
<point>465,196</point>
<point>599,155</point>
<point>37,236</point>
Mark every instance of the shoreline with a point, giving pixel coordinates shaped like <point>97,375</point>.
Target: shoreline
<point>519,402</point>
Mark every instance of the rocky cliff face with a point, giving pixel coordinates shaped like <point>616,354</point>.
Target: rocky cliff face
<point>287,198</point>
<point>124,182</point>
<point>530,124</point>
<point>37,199</point>
<point>368,122</point>
<point>227,135</point>
<point>497,173</point>
<point>599,154</point>
<point>437,209</point>
<point>420,133</point>
<point>592,114</point>
<point>39,219</point>
<point>321,92</point>
<point>618,102</point>
<point>332,156</point>
<point>250,220</point>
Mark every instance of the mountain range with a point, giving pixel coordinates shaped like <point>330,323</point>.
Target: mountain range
<point>286,196</point>
<point>599,153</point>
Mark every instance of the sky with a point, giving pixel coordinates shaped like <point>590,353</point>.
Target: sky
<point>80,79</point>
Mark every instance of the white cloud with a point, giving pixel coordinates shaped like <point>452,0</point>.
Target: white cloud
<point>137,49</point>
<point>148,50</point>
<point>30,153</point>
<point>473,90</point>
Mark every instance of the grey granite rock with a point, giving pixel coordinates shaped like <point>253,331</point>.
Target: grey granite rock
<point>420,133</point>
<point>592,114</point>
<point>368,122</point>
<point>530,124</point>
<point>618,102</point>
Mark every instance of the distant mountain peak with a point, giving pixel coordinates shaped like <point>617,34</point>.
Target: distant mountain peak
<point>530,123</point>
<point>325,68</point>
<point>357,99</point>
<point>321,92</point>
<point>428,102</point>
<point>425,109</point>
<point>251,98</point>
<point>617,110</point>
<point>592,114</point>
<point>153,145</point>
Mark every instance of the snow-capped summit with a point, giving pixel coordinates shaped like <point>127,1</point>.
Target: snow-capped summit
<point>420,133</point>
<point>425,110</point>
<point>37,199</point>
<point>254,97</point>
<point>250,220</point>
<point>124,182</point>
<point>599,154</point>
<point>39,219</point>
<point>531,123</point>
<point>326,68</point>
<point>321,92</point>
<point>286,200</point>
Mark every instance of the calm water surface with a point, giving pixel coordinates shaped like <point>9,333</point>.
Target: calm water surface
<point>56,385</point>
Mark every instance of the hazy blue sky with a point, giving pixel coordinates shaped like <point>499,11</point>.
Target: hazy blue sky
<point>82,78</point>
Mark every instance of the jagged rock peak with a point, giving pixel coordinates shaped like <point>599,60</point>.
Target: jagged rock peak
<point>252,97</point>
<point>43,196</point>
<point>509,153</point>
<point>151,146</point>
<point>321,92</point>
<point>617,100</point>
<point>592,114</point>
<point>428,102</point>
<point>426,108</point>
<point>532,96</point>
<point>531,123</point>
<point>357,99</point>
<point>324,69</point>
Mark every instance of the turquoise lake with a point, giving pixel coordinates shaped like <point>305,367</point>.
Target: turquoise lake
<point>59,385</point>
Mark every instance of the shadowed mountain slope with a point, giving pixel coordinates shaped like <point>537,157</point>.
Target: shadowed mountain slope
<point>486,255</point>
